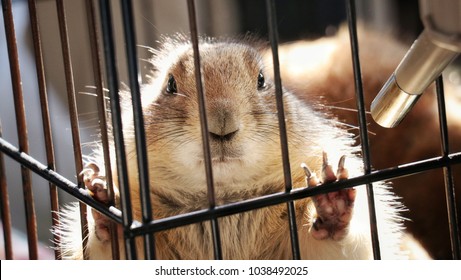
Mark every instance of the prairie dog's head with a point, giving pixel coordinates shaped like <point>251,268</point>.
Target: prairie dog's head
<point>241,114</point>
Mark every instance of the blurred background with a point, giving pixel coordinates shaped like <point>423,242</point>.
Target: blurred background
<point>297,20</point>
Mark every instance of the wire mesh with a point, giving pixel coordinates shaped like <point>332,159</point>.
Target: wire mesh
<point>148,226</point>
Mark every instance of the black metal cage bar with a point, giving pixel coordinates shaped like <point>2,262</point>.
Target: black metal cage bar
<point>148,227</point>
<point>72,104</point>
<point>352,23</point>
<point>229,209</point>
<point>273,35</point>
<point>36,38</point>
<point>448,174</point>
<point>121,160</point>
<point>204,127</point>
<point>32,237</point>
<point>5,209</point>
<point>140,135</point>
<point>102,112</point>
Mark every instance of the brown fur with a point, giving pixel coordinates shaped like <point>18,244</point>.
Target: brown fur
<point>246,167</point>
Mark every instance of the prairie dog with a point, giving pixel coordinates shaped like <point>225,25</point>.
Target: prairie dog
<point>245,147</point>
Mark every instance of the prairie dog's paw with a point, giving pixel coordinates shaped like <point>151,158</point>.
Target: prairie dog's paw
<point>334,209</point>
<point>96,184</point>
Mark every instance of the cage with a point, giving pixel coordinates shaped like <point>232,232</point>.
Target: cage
<point>31,161</point>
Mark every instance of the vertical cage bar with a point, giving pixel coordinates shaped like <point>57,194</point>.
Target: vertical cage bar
<point>204,127</point>
<point>101,104</point>
<point>69,76</point>
<point>117,127</point>
<point>36,38</point>
<point>31,222</point>
<point>273,35</point>
<point>448,173</point>
<point>352,23</point>
<point>5,208</point>
<point>140,135</point>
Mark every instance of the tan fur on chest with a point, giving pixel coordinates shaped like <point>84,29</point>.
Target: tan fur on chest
<point>258,234</point>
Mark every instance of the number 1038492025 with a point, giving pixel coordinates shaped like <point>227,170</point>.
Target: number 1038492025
<point>278,270</point>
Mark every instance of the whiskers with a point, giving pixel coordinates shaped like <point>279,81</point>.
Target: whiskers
<point>352,128</point>
<point>89,119</point>
<point>349,127</point>
<point>148,48</point>
<point>344,109</point>
<point>173,135</point>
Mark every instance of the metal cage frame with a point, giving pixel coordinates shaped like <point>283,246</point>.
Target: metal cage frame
<point>148,227</point>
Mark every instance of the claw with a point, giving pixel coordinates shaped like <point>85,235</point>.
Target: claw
<point>342,172</point>
<point>341,162</point>
<point>90,167</point>
<point>99,190</point>
<point>98,181</point>
<point>306,170</point>
<point>89,171</point>
<point>311,177</point>
<point>328,175</point>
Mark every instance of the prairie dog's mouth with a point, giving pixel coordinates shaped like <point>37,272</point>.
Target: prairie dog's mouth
<point>222,158</point>
<point>222,155</point>
<point>218,160</point>
<point>225,153</point>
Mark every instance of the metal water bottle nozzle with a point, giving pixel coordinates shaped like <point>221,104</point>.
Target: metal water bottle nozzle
<point>433,50</point>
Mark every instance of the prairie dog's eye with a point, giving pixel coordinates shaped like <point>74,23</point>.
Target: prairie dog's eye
<point>171,86</point>
<point>261,81</point>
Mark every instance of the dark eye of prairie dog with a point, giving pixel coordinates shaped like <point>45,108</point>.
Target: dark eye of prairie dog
<point>171,86</point>
<point>261,80</point>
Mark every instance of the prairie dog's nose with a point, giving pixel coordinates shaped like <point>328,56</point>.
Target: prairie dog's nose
<point>223,124</point>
